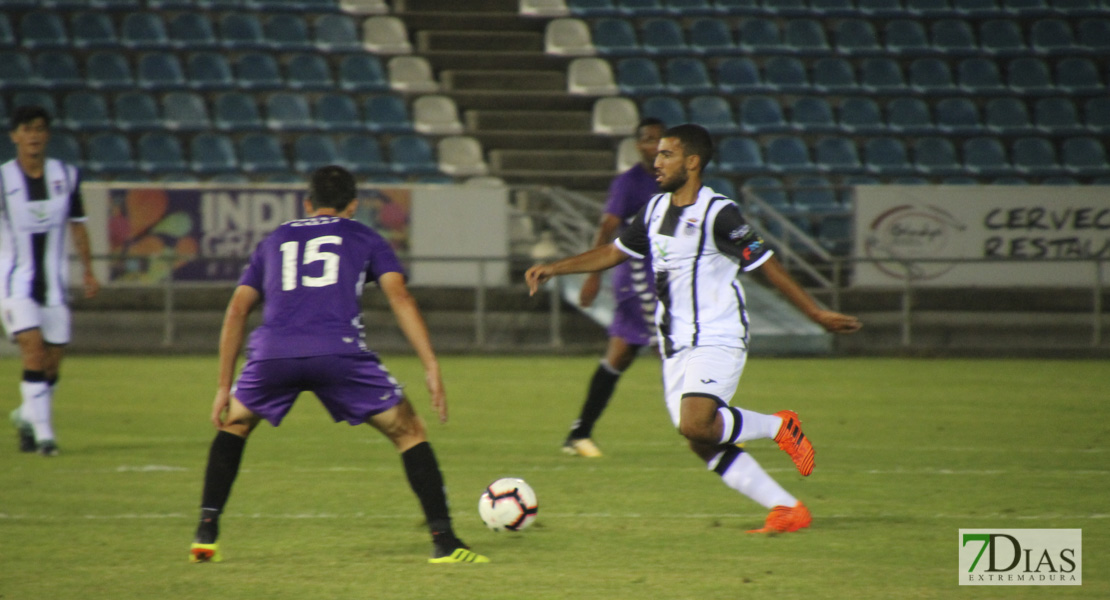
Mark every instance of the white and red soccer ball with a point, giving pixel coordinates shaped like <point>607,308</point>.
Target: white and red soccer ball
<point>508,504</point>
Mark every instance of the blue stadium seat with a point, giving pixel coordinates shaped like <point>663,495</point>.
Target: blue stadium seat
<point>663,37</point>
<point>591,8</point>
<point>860,115</point>
<point>362,155</point>
<point>986,156</point>
<point>212,153</point>
<point>1001,37</point>
<point>1051,37</point>
<point>309,72</point>
<point>713,113</point>
<point>64,146</point>
<point>759,35</point>
<point>837,155</point>
<point>1034,157</point>
<point>1007,116</point>
<point>192,31</point>
<point>109,153</point>
<point>739,76</point>
<point>834,76</point>
<point>116,5</point>
<point>814,196</point>
<point>882,75</point>
<point>805,36</point>
<point>338,112</point>
<point>136,111</point>
<point>1075,75</point>
<point>40,29</point>
<point>241,31</point>
<point>640,8</point>
<point>92,30</point>
<point>86,111</point>
<point>143,31</point>
<point>160,152</point>
<point>1026,8</point>
<point>1029,75</point>
<point>387,113</point>
<point>287,33</point>
<point>690,7</point>
<point>236,111</point>
<point>208,71</point>
<point>710,35</point>
<point>906,37</point>
<point>1078,8</point>
<point>788,155</point>
<point>185,111</point>
<point>158,71</point>
<point>1057,116</point>
<point>1084,156</point>
<point>786,8</point>
<point>258,71</point>
<point>721,185</point>
<point>881,8</point>
<point>785,74</point>
<point>771,191</point>
<point>936,156</point>
<point>410,155</point>
<point>809,114</point>
<point>7,34</point>
<point>261,153</point>
<point>762,114</point>
<point>687,75</point>
<point>288,112</point>
<point>930,9</point>
<point>909,116</point>
<point>931,76</point>
<point>669,110</point>
<point>639,76</point>
<point>738,7</point>
<point>738,155</point>
<point>103,71</point>
<point>615,37</point>
<point>1097,115</point>
<point>362,73</point>
<point>886,156</point>
<point>336,33</point>
<point>833,8</point>
<point>977,8</point>
<point>36,98</point>
<point>58,71</point>
<point>958,116</point>
<point>980,77</point>
<point>953,37</point>
<point>1094,35</point>
<point>835,234</point>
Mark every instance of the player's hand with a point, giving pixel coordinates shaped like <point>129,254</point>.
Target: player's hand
<point>438,396</point>
<point>835,322</point>
<point>220,406</point>
<point>590,289</point>
<point>536,276</point>
<point>92,285</point>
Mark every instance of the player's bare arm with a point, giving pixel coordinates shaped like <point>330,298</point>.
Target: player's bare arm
<point>832,321</point>
<point>598,259</point>
<point>412,325</point>
<point>606,231</point>
<point>243,301</point>
<point>81,244</point>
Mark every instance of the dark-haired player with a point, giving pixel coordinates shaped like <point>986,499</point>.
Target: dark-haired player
<point>308,275</point>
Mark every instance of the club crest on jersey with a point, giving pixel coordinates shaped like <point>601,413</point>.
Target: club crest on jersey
<point>691,228</point>
<point>740,232</point>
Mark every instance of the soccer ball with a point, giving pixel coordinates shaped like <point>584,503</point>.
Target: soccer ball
<point>508,504</point>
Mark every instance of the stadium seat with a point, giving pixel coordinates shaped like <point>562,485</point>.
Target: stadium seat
<point>160,71</point>
<point>785,74</point>
<point>1029,75</point>
<point>103,71</point>
<point>739,76</point>
<point>771,191</point>
<point>160,152</point>
<point>739,155</point>
<point>758,36</point>
<point>109,153</point>
<point>611,37</point>
<point>1078,76</point>
<point>362,73</point>
<point>690,7</point>
<point>834,76</point>
<point>1025,8</point>
<point>860,115</point>
<point>909,116</point>
<point>1057,116</point>
<point>308,72</point>
<point>185,111</point>
<point>258,71</point>
<point>882,75</point>
<point>241,31</point>
<point>287,33</point>
<point>857,37</point>
<point>86,111</point>
<point>836,155</point>
<point>143,31</point>
<point>438,115</point>
<point>688,76</point>
<point>1097,115</point>
<point>1001,37</point>
<point>36,98</point>
<point>986,156</point>
<point>58,71</point>
<point>1034,157</point>
<point>958,116</point>
<point>92,29</point>
<point>336,33</point>
<point>192,31</point>
<point>312,151</point>
<point>212,153</point>
<point>977,8</point>
<point>209,71</point>
<point>980,77</point>
<point>414,74</point>
<point>1094,35</point>
<point>814,196</point>
<point>236,112</point>
<point>762,114</point>
<point>668,110</point>
<point>261,153</point>
<point>361,154</point>
<point>1051,37</point>
<point>337,112</point>
<point>881,8</point>
<point>906,37</point>
<point>931,76</point>
<point>288,112</point>
<point>386,34</point>
<point>7,34</point>
<point>738,7</point>
<point>886,156</point>
<point>663,37</point>
<point>805,36</point>
<point>640,8</point>
<point>591,8</point>
<point>136,111</point>
<point>40,29</point>
<point>953,37</point>
<point>610,116</point>
<point>387,113</point>
<point>788,155</point>
<point>1084,156</point>
<point>930,9</point>
<point>639,76</point>
<point>64,146</point>
<point>410,155</point>
<point>721,185</point>
<point>571,37</point>
<point>461,156</point>
<point>1078,8</point>
<point>711,35</point>
<point>713,113</point>
<point>936,156</point>
<point>809,114</point>
<point>1007,116</point>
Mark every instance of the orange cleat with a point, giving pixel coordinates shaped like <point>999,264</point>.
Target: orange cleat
<point>793,442</point>
<point>785,519</point>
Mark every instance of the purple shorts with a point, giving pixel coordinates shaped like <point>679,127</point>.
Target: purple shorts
<point>352,387</point>
<point>632,321</point>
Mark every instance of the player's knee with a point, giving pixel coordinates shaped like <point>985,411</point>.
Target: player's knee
<point>695,430</point>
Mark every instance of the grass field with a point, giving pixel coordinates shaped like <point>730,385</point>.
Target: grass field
<point>909,451</point>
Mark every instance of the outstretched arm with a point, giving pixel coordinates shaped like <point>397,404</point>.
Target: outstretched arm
<point>416,332</point>
<point>832,321</point>
<point>598,259</point>
<point>605,233</point>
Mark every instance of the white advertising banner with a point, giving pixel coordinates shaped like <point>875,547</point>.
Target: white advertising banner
<point>1007,236</point>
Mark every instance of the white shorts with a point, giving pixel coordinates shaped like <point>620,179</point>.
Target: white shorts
<point>21,314</point>
<point>712,371</point>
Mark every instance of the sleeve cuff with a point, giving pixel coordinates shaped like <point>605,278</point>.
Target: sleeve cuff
<point>620,246</point>
<point>762,259</point>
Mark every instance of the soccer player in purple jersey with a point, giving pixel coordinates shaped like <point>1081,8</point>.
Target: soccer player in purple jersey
<point>632,326</point>
<point>309,275</point>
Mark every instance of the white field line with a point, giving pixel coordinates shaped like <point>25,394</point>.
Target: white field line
<point>545,515</point>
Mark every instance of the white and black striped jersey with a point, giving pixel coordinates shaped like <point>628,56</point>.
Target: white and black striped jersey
<point>34,213</point>
<point>696,251</point>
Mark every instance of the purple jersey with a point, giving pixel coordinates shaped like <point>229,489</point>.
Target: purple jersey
<point>628,193</point>
<point>310,273</point>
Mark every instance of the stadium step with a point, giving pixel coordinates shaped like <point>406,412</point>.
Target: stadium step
<point>550,160</point>
<point>528,120</point>
<point>505,81</point>
<point>502,41</point>
<point>470,6</point>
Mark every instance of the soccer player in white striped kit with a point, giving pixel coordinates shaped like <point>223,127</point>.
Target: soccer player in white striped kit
<point>698,243</point>
<point>39,197</point>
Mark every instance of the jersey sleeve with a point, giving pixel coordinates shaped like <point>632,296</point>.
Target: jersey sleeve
<point>76,200</point>
<point>382,259</point>
<point>253,273</point>
<point>620,202</point>
<point>633,241</point>
<point>736,238</point>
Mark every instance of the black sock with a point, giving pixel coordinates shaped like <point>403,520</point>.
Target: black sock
<point>602,385</point>
<point>223,465</point>
<point>426,480</point>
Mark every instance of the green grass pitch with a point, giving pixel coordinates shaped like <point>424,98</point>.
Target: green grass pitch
<point>908,452</point>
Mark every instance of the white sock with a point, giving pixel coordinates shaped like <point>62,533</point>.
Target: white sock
<point>747,477</point>
<point>36,408</point>
<point>752,425</point>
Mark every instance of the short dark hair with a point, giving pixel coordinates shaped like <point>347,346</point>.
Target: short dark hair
<point>332,187</point>
<point>694,139</point>
<point>28,113</point>
<point>649,122</point>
